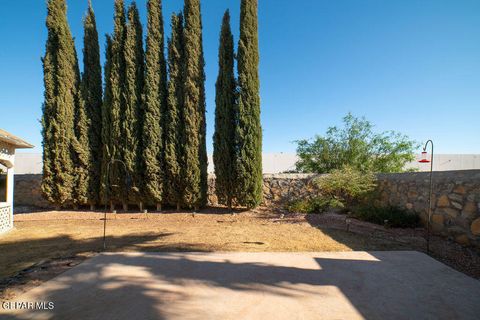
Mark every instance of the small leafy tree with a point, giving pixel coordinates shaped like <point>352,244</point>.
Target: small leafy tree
<point>346,185</point>
<point>355,145</point>
<point>342,188</point>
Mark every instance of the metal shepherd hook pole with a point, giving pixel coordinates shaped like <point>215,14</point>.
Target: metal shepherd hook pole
<point>424,160</point>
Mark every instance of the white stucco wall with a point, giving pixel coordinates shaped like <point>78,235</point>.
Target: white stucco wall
<point>31,163</point>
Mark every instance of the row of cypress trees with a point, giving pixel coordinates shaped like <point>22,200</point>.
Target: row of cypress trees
<point>141,138</point>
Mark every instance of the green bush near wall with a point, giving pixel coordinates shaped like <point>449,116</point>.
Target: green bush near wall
<point>341,189</point>
<point>352,190</point>
<point>318,204</point>
<point>389,216</point>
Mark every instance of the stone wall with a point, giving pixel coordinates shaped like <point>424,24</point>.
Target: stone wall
<point>28,192</point>
<point>455,201</point>
<point>278,189</point>
<point>456,197</point>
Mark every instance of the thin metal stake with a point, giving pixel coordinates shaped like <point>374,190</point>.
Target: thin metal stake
<point>431,195</point>
<point>104,228</point>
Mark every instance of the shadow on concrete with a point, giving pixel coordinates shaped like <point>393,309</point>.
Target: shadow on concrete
<point>37,259</point>
<point>379,285</point>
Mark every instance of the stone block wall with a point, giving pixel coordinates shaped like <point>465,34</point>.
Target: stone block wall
<point>456,197</point>
<point>27,191</point>
<point>278,189</point>
<point>455,200</point>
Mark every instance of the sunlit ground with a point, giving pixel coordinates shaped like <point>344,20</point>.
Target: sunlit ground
<point>41,236</point>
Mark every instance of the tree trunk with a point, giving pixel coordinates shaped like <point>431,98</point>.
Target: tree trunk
<point>92,207</point>
<point>159,207</point>
<point>112,206</point>
<point>178,206</point>
<point>125,206</point>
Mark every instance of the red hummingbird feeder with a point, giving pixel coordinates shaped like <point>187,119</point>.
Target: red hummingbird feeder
<point>424,158</point>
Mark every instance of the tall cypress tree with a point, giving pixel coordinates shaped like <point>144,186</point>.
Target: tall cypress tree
<point>61,95</point>
<point>173,129</point>
<point>107,123</point>
<point>203,127</point>
<point>91,87</point>
<point>249,130</point>
<point>114,105</point>
<point>224,145</point>
<point>155,105</point>
<point>81,150</point>
<point>133,112</point>
<point>194,164</point>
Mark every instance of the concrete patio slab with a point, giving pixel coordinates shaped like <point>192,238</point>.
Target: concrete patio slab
<point>331,285</point>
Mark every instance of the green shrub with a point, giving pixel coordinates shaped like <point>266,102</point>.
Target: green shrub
<point>313,205</point>
<point>342,188</point>
<point>347,185</point>
<point>390,216</point>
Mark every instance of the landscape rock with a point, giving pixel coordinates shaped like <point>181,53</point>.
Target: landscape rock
<point>438,219</point>
<point>457,205</point>
<point>443,201</point>
<point>469,210</point>
<point>459,189</point>
<point>475,228</point>
<point>462,239</point>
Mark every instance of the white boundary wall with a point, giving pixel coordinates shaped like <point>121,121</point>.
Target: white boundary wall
<point>31,163</point>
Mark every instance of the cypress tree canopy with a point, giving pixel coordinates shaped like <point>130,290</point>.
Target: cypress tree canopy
<point>91,89</point>
<point>249,132</point>
<point>155,105</point>
<point>115,104</point>
<point>61,95</point>
<point>133,89</point>
<point>81,150</point>
<point>194,164</point>
<point>173,147</point>
<point>106,121</point>
<point>224,144</point>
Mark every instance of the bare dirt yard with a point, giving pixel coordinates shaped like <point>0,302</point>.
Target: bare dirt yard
<point>44,244</point>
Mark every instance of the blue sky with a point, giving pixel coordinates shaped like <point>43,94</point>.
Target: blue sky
<point>412,66</point>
